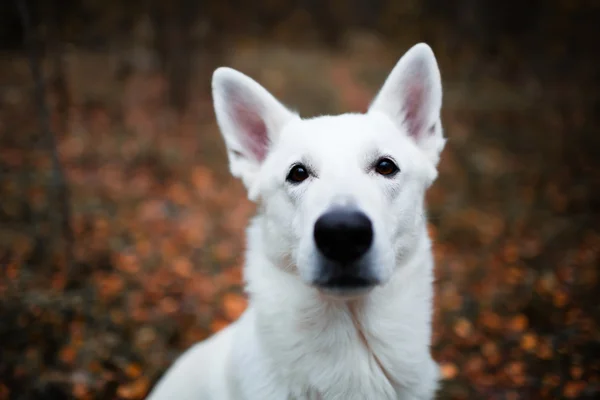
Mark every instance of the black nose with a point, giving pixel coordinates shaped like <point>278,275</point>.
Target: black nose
<point>343,235</point>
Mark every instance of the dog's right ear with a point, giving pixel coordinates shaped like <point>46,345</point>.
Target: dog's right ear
<point>412,98</point>
<point>250,119</point>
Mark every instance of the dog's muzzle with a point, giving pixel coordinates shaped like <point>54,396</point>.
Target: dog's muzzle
<point>343,237</point>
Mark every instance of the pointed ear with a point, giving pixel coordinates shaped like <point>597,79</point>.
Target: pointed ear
<point>412,98</point>
<point>250,119</point>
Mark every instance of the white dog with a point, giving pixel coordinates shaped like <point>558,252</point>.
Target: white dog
<point>339,266</point>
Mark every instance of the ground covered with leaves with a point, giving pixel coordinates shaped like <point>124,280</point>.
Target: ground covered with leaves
<point>154,264</point>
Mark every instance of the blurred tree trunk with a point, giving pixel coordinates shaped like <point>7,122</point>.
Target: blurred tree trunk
<point>54,228</point>
<point>175,46</point>
<point>55,19</point>
<point>368,12</point>
<point>325,20</point>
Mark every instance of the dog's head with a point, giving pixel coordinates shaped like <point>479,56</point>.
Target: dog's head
<point>341,197</point>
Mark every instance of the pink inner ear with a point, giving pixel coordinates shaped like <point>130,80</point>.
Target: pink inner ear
<point>252,127</point>
<point>414,117</point>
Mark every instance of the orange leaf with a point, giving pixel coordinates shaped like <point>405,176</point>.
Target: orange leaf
<point>449,370</point>
<point>134,390</point>
<point>463,328</point>
<point>519,323</point>
<point>183,267</point>
<point>218,324</point>
<point>67,355</point>
<point>234,305</point>
<point>529,342</point>
<point>133,370</point>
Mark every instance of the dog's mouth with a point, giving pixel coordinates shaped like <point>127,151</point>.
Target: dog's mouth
<point>342,279</point>
<point>345,285</point>
<point>347,282</point>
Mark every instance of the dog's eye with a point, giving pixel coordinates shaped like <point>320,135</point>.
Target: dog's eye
<point>386,167</point>
<point>297,174</point>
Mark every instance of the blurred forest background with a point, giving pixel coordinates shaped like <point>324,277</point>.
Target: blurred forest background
<point>121,231</point>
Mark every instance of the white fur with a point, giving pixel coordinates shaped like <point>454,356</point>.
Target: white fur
<point>295,341</point>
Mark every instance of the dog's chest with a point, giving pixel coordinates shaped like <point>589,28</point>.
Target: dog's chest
<point>343,380</point>
<point>336,361</point>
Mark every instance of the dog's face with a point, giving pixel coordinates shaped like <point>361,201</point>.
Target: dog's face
<point>341,197</point>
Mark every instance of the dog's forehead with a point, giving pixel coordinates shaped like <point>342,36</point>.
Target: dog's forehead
<point>345,133</point>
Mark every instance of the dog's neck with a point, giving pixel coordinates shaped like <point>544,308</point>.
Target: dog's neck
<point>309,330</point>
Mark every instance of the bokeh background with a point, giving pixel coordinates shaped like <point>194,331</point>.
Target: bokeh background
<point>121,231</point>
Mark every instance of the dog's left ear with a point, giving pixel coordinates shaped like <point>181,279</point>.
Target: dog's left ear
<point>250,119</point>
<point>412,98</point>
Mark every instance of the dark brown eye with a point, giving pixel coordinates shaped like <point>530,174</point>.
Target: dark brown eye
<point>386,167</point>
<point>297,174</point>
